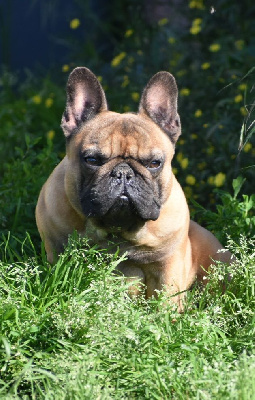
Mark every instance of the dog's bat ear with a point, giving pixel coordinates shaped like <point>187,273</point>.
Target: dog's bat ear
<point>85,99</point>
<point>159,102</point>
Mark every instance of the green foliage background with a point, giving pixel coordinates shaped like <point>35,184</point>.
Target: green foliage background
<point>69,331</point>
<point>212,56</point>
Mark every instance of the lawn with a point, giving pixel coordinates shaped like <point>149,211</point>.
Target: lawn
<point>70,331</point>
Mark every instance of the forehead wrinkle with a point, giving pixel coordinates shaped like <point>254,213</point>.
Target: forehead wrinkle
<point>116,144</point>
<point>131,147</point>
<point>121,145</point>
<point>127,139</point>
<point>130,125</point>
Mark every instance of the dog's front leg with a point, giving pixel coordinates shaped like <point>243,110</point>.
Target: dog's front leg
<point>135,277</point>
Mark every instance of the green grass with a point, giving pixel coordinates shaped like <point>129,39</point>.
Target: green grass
<point>71,332</point>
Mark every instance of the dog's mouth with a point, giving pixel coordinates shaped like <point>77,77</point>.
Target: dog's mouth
<point>124,198</point>
<point>122,214</point>
<point>123,210</point>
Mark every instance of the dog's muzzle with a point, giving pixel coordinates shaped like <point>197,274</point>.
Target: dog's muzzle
<point>122,198</point>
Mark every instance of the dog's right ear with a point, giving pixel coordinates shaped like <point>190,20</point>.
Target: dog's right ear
<point>85,99</point>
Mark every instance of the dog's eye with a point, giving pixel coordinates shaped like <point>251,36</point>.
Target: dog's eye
<point>93,161</point>
<point>154,164</point>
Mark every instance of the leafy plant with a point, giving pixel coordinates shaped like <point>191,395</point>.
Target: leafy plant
<point>234,216</point>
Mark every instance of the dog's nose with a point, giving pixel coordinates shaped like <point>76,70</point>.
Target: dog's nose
<point>123,173</point>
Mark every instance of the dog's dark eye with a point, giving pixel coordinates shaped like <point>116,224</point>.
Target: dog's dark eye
<point>154,164</point>
<point>93,161</point>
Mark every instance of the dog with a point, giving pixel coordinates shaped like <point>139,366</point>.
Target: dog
<point>116,184</point>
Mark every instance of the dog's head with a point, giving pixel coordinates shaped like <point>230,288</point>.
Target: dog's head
<point>119,165</point>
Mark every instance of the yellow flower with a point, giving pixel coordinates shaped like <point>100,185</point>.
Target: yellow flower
<point>195,29</point>
<point>198,113</point>
<point>140,52</point>
<point>194,136</point>
<point>50,134</point>
<point>242,87</point>
<point>163,21</point>
<point>37,99</point>
<point>190,180</point>
<point>129,33</point>
<point>182,141</point>
<point>247,147</point>
<point>65,68</point>
<point>184,163</point>
<point>219,179</point>
<point>125,81</point>
<point>210,180</point>
<point>239,44</point>
<point>205,65</point>
<point>171,40</point>
<point>196,4</point>
<point>48,102</point>
<point>192,4</point>
<point>126,108</point>
<point>243,111</point>
<point>175,170</point>
<point>238,98</point>
<point>75,23</point>
<point>205,125</point>
<point>184,92</point>
<point>214,47</point>
<point>197,21</point>
<point>117,60</point>
<point>196,26</point>
<point>135,96</point>
<point>221,126</point>
<point>179,157</point>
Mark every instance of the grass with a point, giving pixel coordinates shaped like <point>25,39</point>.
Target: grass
<point>70,332</point>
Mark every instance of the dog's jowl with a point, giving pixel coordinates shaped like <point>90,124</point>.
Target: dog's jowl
<point>116,183</point>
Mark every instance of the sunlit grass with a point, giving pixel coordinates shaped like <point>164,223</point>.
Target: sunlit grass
<point>70,331</point>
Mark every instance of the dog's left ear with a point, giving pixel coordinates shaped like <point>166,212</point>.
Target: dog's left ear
<point>159,102</point>
<point>85,98</point>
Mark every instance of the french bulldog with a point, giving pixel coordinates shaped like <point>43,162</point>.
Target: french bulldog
<point>116,184</point>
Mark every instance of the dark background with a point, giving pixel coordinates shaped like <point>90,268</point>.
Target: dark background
<point>37,34</point>
<point>34,34</point>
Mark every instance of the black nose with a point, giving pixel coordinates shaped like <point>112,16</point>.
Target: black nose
<point>122,173</point>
